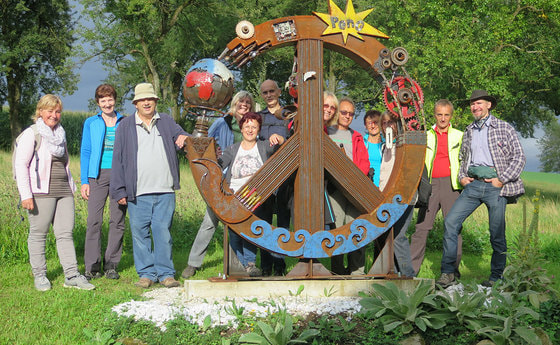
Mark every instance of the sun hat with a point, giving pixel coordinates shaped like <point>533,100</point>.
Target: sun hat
<point>143,91</point>
<point>482,94</point>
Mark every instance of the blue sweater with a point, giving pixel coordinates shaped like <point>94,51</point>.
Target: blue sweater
<point>124,173</point>
<point>91,150</point>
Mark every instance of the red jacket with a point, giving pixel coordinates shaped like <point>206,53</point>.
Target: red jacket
<point>359,152</point>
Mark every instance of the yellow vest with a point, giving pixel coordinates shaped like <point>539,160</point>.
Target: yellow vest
<point>454,139</point>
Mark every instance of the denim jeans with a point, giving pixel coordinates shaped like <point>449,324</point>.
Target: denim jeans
<point>475,194</point>
<point>153,211</point>
<point>401,245</point>
<point>246,251</point>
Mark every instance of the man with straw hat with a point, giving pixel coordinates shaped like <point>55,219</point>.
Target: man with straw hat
<point>145,176</point>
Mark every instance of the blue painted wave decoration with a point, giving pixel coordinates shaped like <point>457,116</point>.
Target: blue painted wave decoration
<point>361,230</point>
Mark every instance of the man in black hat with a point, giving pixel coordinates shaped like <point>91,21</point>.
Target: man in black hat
<point>492,160</point>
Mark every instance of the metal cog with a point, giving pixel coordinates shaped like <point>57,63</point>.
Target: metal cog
<point>415,97</point>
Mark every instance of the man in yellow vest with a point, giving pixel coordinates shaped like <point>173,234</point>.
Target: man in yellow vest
<point>442,163</point>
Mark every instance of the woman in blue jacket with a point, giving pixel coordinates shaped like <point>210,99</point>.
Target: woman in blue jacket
<point>96,156</point>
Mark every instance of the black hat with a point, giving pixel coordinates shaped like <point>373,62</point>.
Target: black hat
<point>482,94</point>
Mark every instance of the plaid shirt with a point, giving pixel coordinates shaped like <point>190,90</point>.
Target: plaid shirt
<point>506,152</point>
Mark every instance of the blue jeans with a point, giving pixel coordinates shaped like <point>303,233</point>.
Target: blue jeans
<point>475,194</point>
<point>400,243</point>
<point>246,251</point>
<point>153,211</point>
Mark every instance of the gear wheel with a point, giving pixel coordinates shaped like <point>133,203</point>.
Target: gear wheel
<point>413,125</point>
<point>407,93</point>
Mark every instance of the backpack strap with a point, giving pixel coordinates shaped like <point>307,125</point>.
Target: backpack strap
<point>36,146</point>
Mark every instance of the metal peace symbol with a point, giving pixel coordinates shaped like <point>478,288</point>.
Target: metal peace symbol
<point>309,153</point>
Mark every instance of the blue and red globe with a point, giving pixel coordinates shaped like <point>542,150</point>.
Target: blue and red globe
<point>208,83</point>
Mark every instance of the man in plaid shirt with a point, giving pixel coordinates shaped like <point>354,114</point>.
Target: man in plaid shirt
<point>492,160</point>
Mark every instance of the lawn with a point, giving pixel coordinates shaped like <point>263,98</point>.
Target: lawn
<point>60,315</point>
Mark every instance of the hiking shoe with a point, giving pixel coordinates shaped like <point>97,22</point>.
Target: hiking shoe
<point>78,282</point>
<point>189,271</point>
<point>144,283</point>
<point>92,275</point>
<point>488,283</point>
<point>170,282</point>
<point>42,283</point>
<point>446,280</point>
<point>253,270</point>
<point>112,274</point>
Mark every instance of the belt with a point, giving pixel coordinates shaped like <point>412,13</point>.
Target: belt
<point>479,178</point>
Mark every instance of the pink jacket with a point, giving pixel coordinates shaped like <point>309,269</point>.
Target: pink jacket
<point>26,176</point>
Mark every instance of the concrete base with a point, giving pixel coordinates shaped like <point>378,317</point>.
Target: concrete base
<point>280,288</point>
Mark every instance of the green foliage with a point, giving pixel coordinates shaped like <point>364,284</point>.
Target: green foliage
<point>36,40</point>
<point>298,292</point>
<point>73,123</point>
<point>550,319</point>
<point>281,334</point>
<point>524,274</point>
<point>332,330</point>
<point>99,337</point>
<point>466,307</point>
<point>549,144</point>
<point>505,323</point>
<point>395,308</point>
<point>236,311</point>
<point>328,293</point>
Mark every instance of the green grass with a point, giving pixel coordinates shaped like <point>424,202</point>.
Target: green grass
<point>60,315</point>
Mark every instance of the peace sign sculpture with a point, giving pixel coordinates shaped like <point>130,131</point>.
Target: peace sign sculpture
<point>311,154</point>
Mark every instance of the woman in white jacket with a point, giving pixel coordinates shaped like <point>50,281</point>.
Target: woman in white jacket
<point>47,191</point>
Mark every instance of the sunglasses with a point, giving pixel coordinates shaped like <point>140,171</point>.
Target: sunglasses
<point>331,107</point>
<point>344,113</point>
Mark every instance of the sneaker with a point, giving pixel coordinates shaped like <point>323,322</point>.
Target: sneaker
<point>78,282</point>
<point>253,270</point>
<point>112,274</point>
<point>446,280</point>
<point>189,271</point>
<point>42,283</point>
<point>92,275</point>
<point>170,282</point>
<point>144,283</point>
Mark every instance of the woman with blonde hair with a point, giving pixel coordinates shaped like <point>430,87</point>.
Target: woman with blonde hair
<point>46,189</point>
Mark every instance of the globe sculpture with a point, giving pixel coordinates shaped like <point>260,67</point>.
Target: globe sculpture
<point>208,84</point>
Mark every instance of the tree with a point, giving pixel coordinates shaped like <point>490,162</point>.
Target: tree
<point>509,48</point>
<point>155,41</point>
<point>550,144</point>
<point>35,49</point>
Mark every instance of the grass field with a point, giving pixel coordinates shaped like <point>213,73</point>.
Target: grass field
<point>60,315</point>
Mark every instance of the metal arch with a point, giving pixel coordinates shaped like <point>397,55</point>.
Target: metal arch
<point>309,153</point>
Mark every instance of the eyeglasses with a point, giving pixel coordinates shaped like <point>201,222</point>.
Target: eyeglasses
<point>345,112</point>
<point>331,107</point>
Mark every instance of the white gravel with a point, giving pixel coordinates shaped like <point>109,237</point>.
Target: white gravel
<point>163,305</point>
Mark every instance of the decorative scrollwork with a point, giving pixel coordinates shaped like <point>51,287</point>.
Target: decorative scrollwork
<point>313,245</point>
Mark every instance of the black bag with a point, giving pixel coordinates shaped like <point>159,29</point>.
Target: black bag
<point>424,190</point>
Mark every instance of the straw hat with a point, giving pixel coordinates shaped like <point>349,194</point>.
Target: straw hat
<point>143,91</point>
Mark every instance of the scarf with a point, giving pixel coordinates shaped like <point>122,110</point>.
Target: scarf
<point>54,138</point>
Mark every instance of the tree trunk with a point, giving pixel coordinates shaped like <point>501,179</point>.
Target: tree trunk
<point>14,102</point>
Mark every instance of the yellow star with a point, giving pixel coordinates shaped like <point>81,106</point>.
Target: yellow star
<point>348,22</point>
